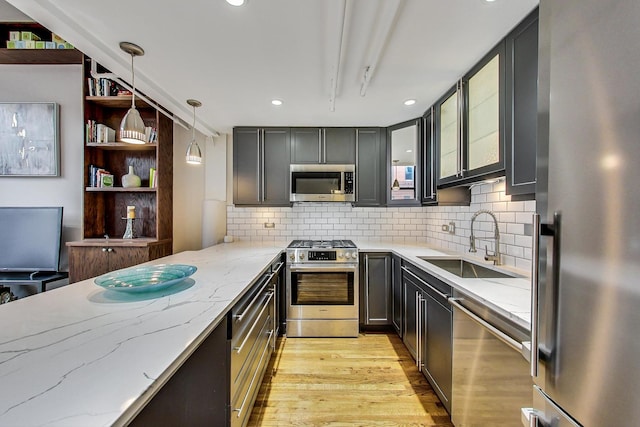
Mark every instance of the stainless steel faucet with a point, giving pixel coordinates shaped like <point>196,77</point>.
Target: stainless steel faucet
<point>495,257</point>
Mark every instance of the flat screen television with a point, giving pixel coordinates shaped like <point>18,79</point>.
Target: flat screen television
<point>30,239</point>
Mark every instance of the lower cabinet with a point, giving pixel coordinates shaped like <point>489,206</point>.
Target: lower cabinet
<point>93,257</point>
<point>428,326</point>
<point>396,294</point>
<point>375,289</point>
<point>198,393</point>
<point>252,340</point>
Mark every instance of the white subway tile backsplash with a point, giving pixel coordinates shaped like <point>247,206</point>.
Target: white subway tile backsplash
<point>402,225</point>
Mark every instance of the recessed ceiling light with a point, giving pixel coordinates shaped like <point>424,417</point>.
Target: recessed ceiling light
<point>235,2</point>
<point>488,1</point>
<point>409,102</point>
<point>276,102</point>
<point>409,151</point>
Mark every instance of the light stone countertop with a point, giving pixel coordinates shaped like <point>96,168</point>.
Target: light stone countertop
<point>83,356</point>
<point>510,297</point>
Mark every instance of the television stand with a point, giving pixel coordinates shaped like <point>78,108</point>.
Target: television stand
<point>40,278</point>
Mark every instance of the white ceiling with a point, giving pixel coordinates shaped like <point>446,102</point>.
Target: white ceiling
<point>235,60</point>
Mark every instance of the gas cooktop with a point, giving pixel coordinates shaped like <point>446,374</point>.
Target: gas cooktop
<point>321,244</point>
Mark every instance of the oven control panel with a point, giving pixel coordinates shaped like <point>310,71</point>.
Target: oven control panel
<point>295,256</point>
<point>321,255</point>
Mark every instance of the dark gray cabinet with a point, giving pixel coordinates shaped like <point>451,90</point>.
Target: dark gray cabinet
<point>522,108</point>
<point>370,166</point>
<point>396,294</point>
<point>375,289</point>
<point>469,124</point>
<point>323,145</point>
<point>261,166</point>
<point>198,393</point>
<point>428,328</point>
<point>431,195</point>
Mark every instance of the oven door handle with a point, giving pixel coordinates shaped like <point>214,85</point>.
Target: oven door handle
<point>323,268</point>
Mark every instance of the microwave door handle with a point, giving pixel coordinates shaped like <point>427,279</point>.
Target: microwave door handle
<point>319,145</point>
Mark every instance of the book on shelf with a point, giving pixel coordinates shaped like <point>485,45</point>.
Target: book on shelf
<point>104,87</point>
<point>100,177</point>
<point>153,178</point>
<point>151,135</point>
<point>99,133</point>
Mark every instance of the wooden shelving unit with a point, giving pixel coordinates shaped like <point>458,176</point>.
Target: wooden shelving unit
<point>105,208</point>
<point>34,56</point>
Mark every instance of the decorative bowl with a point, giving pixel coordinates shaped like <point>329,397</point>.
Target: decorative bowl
<point>145,278</point>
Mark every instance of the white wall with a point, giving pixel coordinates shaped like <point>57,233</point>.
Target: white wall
<point>61,84</point>
<point>8,13</point>
<point>199,192</point>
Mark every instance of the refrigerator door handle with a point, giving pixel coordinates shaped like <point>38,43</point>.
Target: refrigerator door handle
<point>535,265</point>
<point>553,231</point>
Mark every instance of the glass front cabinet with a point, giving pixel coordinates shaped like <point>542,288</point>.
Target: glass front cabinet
<point>469,124</point>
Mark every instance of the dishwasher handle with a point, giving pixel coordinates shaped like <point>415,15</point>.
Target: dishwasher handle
<point>520,347</point>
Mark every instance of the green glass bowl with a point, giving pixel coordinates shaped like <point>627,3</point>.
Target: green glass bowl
<point>146,278</point>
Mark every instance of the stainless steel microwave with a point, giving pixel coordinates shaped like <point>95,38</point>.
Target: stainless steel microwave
<point>322,183</point>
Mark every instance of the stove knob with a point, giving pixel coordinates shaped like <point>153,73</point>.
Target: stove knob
<point>301,256</point>
<point>340,255</point>
<point>347,255</point>
<point>292,257</point>
<point>354,255</point>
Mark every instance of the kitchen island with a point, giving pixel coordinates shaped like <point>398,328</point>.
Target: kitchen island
<point>80,355</point>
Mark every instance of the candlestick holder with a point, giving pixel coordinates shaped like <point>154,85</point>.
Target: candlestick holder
<point>129,232</point>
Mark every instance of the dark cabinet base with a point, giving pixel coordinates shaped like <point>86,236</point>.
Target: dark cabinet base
<point>197,394</point>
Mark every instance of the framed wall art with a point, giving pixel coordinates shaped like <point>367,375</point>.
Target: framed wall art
<point>29,143</point>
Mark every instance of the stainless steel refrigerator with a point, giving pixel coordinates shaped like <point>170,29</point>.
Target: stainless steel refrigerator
<point>586,318</point>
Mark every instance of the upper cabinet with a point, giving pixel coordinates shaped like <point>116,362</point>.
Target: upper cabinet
<point>370,166</point>
<point>261,166</point>
<point>469,123</point>
<point>403,181</point>
<point>431,195</point>
<point>522,108</point>
<point>323,145</point>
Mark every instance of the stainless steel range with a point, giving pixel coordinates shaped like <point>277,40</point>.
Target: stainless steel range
<point>322,288</point>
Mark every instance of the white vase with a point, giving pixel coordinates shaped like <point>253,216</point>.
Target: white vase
<point>131,179</point>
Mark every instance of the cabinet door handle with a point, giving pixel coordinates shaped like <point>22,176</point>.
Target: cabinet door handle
<point>433,156</point>
<point>366,287</point>
<point>255,375</point>
<point>444,296</point>
<point>320,146</point>
<point>246,338</point>
<point>418,332</point>
<point>104,249</point>
<point>240,316</point>
<point>261,175</point>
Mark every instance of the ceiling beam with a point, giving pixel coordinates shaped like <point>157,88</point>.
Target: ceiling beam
<point>388,13</point>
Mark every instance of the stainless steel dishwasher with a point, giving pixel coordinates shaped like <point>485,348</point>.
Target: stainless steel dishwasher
<point>491,378</point>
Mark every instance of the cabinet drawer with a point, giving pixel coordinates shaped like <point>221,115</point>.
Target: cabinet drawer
<point>243,350</point>
<point>245,312</point>
<point>249,379</point>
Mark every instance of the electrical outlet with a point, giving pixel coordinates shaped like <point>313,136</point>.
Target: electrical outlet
<point>445,228</point>
<point>269,225</point>
<point>452,227</point>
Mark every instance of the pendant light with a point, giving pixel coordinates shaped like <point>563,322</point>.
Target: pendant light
<point>132,128</point>
<point>396,184</point>
<point>194,156</point>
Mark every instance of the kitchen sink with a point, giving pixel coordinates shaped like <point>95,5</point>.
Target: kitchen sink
<point>466,269</point>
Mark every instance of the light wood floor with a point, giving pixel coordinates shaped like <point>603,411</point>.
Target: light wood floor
<point>367,381</point>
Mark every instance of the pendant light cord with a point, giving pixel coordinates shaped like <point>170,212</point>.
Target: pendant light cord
<point>193,127</point>
<point>133,85</point>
